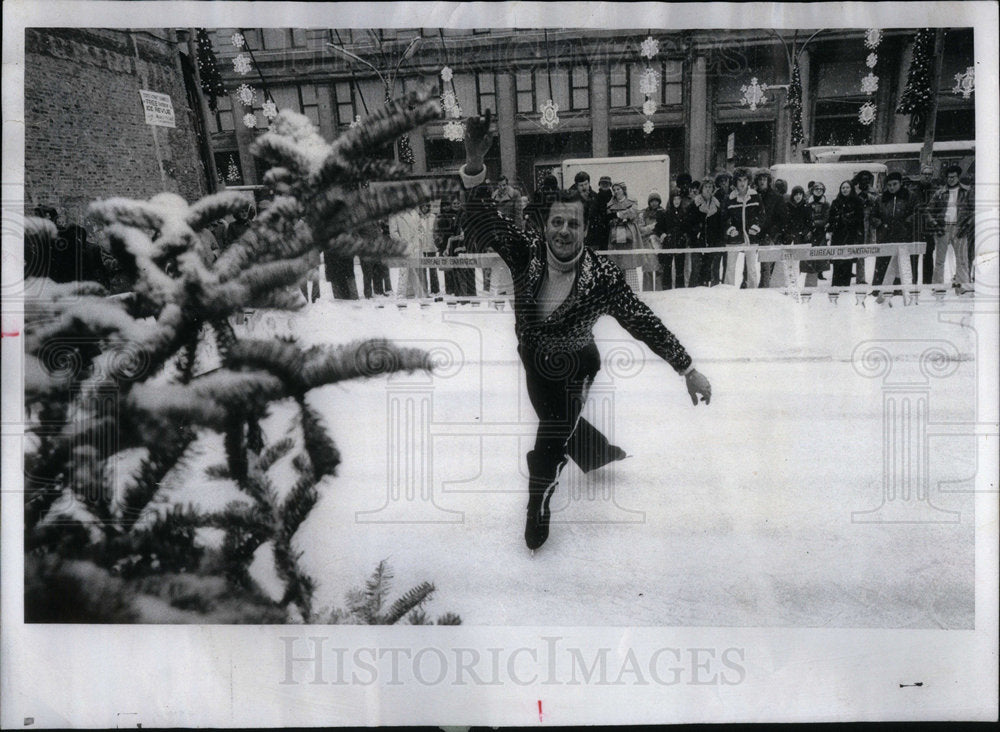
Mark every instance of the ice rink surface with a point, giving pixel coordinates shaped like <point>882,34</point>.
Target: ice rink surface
<point>816,490</point>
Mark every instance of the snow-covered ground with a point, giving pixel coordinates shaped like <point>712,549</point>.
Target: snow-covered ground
<point>747,512</point>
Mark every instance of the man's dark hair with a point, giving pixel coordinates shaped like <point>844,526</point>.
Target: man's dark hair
<point>683,179</point>
<point>567,196</point>
<point>953,168</point>
<point>582,176</point>
<point>741,173</point>
<point>894,175</point>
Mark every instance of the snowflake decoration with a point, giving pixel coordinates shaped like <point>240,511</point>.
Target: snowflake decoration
<point>454,131</point>
<point>965,84</point>
<point>871,60</point>
<point>246,94</point>
<point>250,120</point>
<point>869,84</point>
<point>650,47</point>
<point>649,81</point>
<point>270,109</point>
<point>550,114</point>
<point>355,122</point>
<point>446,73</point>
<point>649,107</point>
<point>873,37</point>
<point>753,94</point>
<point>241,64</point>
<point>448,101</point>
<point>238,40</point>
<point>866,115</point>
<point>648,127</point>
<point>455,112</point>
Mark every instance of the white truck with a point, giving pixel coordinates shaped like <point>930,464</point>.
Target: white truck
<point>830,175</point>
<point>640,174</point>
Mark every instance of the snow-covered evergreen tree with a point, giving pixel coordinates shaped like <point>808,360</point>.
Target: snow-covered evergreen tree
<point>112,382</point>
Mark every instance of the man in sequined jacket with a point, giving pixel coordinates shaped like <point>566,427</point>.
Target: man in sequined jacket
<point>561,288</point>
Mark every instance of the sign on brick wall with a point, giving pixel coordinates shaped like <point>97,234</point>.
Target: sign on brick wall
<point>159,108</point>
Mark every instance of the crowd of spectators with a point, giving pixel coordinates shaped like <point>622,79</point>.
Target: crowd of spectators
<point>734,209</point>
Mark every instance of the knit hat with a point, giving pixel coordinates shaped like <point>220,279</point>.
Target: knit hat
<point>656,195</point>
<point>604,179</point>
<point>894,175</point>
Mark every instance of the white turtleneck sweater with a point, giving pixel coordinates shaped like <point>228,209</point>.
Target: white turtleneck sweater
<point>557,283</point>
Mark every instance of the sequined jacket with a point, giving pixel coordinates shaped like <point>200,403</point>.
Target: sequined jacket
<point>600,289</point>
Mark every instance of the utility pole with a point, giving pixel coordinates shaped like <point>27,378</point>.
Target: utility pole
<point>930,124</point>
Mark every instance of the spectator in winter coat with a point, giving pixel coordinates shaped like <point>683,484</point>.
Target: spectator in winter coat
<point>863,182</point>
<point>508,200</point>
<point>819,212</point>
<point>951,215</point>
<point>847,228</point>
<point>781,188</point>
<point>561,288</point>
<point>676,229</point>
<point>743,219</point>
<point>623,220</point>
<point>548,192</point>
<point>892,219</point>
<point>772,224</point>
<point>709,233</point>
<point>598,227</point>
<point>650,226</point>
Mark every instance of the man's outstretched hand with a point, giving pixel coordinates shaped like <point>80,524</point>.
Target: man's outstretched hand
<point>698,384</point>
<point>478,140</point>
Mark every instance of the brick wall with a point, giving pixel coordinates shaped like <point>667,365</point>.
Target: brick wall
<point>86,135</point>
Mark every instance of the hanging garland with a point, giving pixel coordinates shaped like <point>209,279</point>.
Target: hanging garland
<point>453,128</point>
<point>243,64</point>
<point>549,110</point>
<point>208,70</point>
<point>869,83</point>
<point>916,97</point>
<point>795,106</point>
<point>649,82</point>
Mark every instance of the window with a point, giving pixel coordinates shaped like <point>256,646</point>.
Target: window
<point>672,82</point>
<point>838,99</point>
<point>524,84</point>
<point>227,165</point>
<point>752,143</point>
<point>278,38</point>
<point>618,81</point>
<point>252,36</point>
<point>580,88</point>
<point>309,103</point>
<point>344,99</point>
<point>224,121</point>
<point>634,141</point>
<point>486,92</point>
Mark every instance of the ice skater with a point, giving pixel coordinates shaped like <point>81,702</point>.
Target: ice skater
<point>561,288</point>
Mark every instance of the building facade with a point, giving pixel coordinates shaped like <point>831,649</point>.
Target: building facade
<point>87,132</point>
<point>703,80</point>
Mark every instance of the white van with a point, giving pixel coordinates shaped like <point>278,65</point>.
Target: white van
<point>830,175</point>
<point>640,174</point>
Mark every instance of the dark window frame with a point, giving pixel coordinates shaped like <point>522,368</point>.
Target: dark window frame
<point>518,91</point>
<point>627,86</point>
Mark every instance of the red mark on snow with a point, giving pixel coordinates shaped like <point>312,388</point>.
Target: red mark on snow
<point>9,334</point>
<point>539,710</point>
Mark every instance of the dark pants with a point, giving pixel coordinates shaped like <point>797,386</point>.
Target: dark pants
<point>463,282</point>
<point>671,264</point>
<point>928,268</point>
<point>375,278</point>
<point>557,387</point>
<point>340,272</point>
<point>843,270</point>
